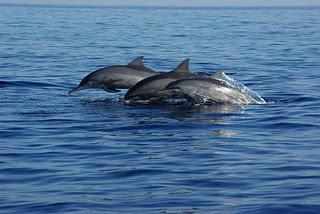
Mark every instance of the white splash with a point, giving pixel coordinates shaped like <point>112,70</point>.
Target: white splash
<point>239,86</point>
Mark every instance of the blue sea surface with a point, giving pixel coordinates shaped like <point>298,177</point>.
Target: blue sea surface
<point>90,153</point>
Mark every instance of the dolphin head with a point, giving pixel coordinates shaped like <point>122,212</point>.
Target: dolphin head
<point>86,83</point>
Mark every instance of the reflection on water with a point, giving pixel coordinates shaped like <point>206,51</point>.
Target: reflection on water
<point>183,111</point>
<point>166,119</point>
<point>225,133</point>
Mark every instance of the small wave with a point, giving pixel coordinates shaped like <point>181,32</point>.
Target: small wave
<point>134,172</point>
<point>285,208</point>
<point>5,84</point>
<point>291,125</point>
<point>298,100</point>
<point>26,171</point>
<point>204,182</point>
<point>179,35</point>
<point>28,84</point>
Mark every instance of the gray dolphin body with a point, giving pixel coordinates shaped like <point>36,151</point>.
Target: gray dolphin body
<point>150,88</point>
<point>212,90</point>
<point>116,77</point>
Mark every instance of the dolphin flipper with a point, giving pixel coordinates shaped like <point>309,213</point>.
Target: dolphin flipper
<point>110,90</point>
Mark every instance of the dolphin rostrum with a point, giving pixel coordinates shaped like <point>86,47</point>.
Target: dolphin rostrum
<point>208,90</point>
<point>116,77</point>
<point>149,88</point>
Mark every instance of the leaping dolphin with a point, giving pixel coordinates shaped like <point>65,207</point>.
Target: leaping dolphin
<point>149,88</point>
<point>116,77</point>
<point>202,90</point>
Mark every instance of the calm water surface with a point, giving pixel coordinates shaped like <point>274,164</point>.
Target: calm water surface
<point>90,153</point>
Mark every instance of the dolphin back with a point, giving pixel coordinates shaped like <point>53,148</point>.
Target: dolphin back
<point>202,90</point>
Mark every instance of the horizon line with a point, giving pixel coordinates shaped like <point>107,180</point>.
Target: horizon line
<point>154,6</point>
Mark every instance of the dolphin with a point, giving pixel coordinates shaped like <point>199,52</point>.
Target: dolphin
<point>208,90</point>
<point>116,77</point>
<point>149,88</point>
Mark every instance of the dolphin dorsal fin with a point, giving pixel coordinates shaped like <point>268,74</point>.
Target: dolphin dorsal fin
<point>183,66</point>
<point>137,63</point>
<point>217,75</point>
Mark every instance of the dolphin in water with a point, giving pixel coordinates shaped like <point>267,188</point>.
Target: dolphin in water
<point>208,90</point>
<point>116,77</point>
<point>150,88</point>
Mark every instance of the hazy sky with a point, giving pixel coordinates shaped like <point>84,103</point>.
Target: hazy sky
<point>173,2</point>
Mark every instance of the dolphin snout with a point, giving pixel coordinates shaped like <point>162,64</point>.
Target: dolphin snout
<point>78,88</point>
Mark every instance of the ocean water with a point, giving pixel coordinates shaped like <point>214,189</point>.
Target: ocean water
<point>90,153</point>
